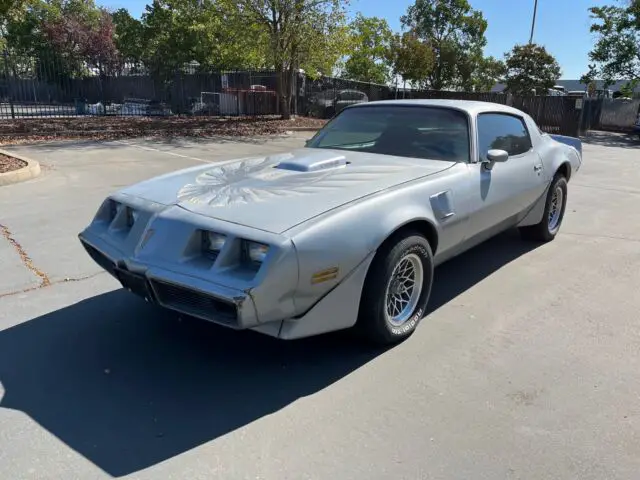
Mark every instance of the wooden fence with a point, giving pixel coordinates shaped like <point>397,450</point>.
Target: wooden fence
<point>611,114</point>
<point>556,115</point>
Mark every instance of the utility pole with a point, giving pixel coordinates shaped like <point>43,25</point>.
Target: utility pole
<point>533,21</point>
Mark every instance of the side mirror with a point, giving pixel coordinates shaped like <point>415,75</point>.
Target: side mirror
<point>494,156</point>
<point>307,142</point>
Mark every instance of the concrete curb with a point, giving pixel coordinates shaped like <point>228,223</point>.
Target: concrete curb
<point>31,170</point>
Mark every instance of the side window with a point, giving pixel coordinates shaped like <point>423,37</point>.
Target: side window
<point>502,132</point>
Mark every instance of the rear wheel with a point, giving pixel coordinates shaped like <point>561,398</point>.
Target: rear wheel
<point>397,289</point>
<point>554,209</point>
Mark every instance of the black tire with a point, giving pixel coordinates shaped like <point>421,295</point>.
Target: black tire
<point>542,232</point>
<point>373,323</point>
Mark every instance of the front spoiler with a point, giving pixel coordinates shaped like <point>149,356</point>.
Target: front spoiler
<point>182,293</point>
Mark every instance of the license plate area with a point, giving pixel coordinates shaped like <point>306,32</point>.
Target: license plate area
<point>135,283</point>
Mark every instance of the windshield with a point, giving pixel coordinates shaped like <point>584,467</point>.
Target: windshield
<point>407,131</point>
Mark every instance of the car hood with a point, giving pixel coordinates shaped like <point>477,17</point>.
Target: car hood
<point>277,192</point>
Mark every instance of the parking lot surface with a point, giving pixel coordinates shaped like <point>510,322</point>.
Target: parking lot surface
<point>527,366</point>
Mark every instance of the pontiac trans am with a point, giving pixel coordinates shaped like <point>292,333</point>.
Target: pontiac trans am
<point>344,232</point>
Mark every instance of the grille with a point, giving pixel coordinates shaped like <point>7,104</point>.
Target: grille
<point>135,283</point>
<point>99,257</point>
<point>195,303</point>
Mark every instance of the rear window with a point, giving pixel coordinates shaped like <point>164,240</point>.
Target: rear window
<point>434,133</point>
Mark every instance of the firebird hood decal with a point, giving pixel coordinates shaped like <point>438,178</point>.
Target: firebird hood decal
<point>257,180</point>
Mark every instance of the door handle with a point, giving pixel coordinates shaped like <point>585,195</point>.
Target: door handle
<point>537,168</point>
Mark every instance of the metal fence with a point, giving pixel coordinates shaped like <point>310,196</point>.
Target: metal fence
<point>37,88</point>
<point>50,88</point>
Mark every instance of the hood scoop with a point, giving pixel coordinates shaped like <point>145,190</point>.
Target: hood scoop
<point>313,162</point>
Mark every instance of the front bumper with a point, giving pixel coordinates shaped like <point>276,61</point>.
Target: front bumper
<point>179,292</point>
<point>160,258</point>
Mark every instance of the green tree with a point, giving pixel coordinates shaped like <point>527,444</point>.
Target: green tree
<point>411,58</point>
<point>530,67</point>
<point>63,36</point>
<point>129,35</point>
<point>616,53</point>
<point>209,32</point>
<point>627,89</point>
<point>369,43</point>
<point>454,30</point>
<point>479,73</point>
<point>303,34</point>
<point>11,11</point>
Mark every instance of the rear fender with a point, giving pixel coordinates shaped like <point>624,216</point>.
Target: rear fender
<point>571,154</point>
<point>570,141</point>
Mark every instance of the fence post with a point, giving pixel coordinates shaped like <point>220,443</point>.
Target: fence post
<point>102,80</point>
<point>580,131</point>
<point>509,101</point>
<point>5,54</point>
<point>295,93</point>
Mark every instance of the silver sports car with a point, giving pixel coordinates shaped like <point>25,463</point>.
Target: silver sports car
<point>343,233</point>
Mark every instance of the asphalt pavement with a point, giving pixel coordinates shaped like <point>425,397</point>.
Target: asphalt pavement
<point>527,366</point>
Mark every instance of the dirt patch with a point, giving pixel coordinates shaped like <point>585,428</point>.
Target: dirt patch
<point>112,128</point>
<point>9,164</point>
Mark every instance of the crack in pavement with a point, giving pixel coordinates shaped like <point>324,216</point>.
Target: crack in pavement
<point>57,282</point>
<point>26,260</point>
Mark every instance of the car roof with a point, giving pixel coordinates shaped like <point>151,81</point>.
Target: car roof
<point>472,107</point>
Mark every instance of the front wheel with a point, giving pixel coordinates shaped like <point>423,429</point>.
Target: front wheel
<point>554,209</point>
<point>397,290</point>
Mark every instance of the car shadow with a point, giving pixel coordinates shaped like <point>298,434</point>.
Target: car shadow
<point>129,385</point>
<point>612,139</point>
<point>461,273</point>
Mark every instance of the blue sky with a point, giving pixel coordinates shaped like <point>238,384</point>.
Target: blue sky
<point>562,26</point>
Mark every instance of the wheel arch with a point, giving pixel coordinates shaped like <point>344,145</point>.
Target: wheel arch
<point>419,225</point>
<point>564,169</point>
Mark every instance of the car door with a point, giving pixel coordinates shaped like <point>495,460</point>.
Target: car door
<point>502,194</point>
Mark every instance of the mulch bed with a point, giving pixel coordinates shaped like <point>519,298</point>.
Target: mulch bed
<point>8,164</point>
<point>113,128</point>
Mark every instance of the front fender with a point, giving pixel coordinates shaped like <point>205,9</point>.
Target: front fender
<point>331,247</point>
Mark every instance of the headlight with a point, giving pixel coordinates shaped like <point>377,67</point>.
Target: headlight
<point>212,242</point>
<point>255,252</point>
